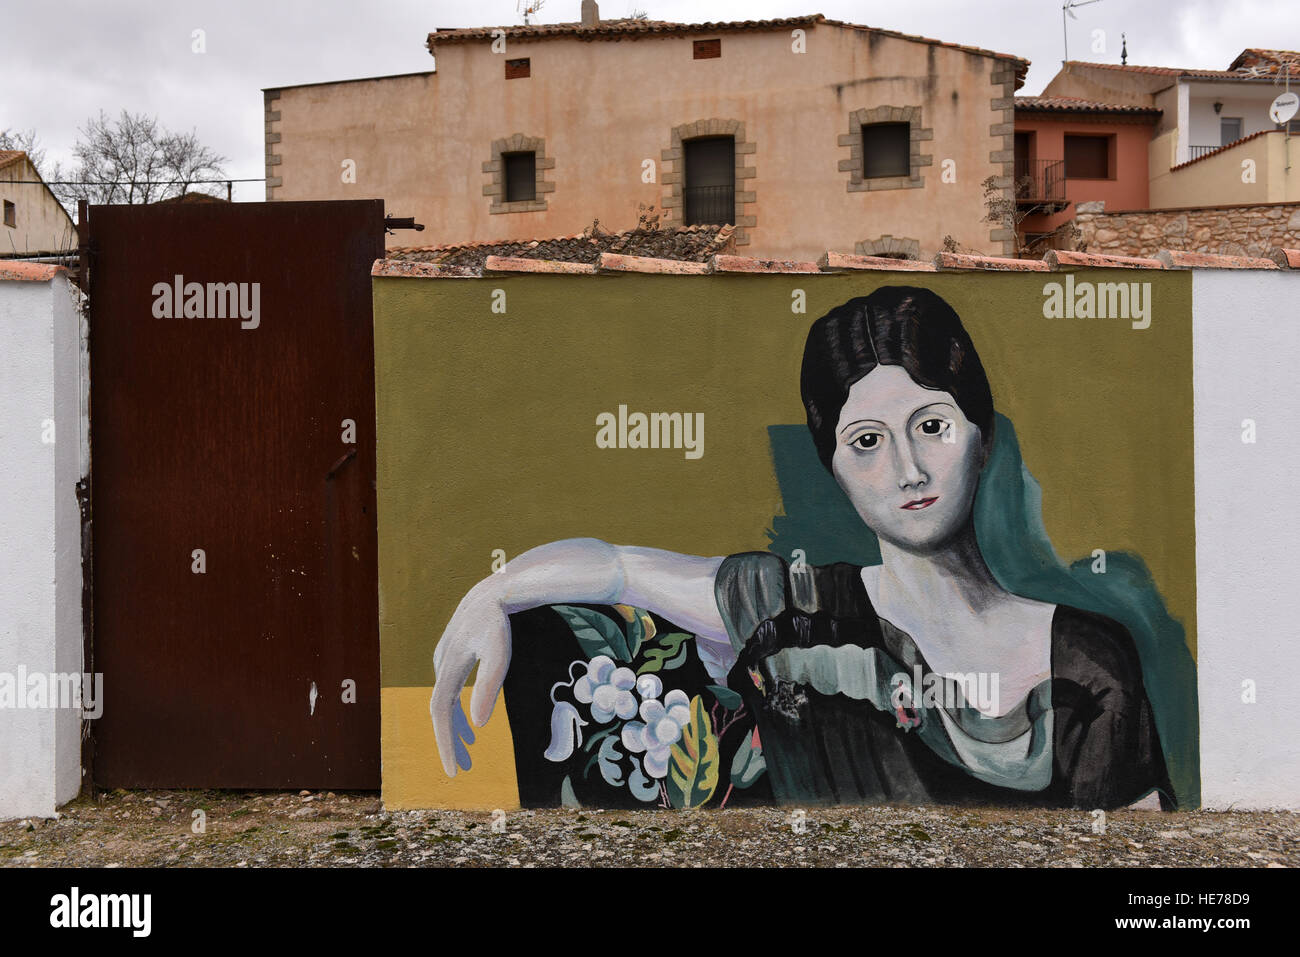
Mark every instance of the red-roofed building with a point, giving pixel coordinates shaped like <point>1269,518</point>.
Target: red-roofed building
<point>1214,141</point>
<point>1071,150</point>
<point>803,133</point>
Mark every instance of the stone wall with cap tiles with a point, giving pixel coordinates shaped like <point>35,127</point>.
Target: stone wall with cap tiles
<point>1250,231</point>
<point>1277,258</point>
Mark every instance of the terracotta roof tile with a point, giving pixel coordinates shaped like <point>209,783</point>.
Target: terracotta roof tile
<point>1180,259</point>
<point>403,269</point>
<point>10,156</point>
<point>18,271</point>
<point>832,261</point>
<point>1286,258</point>
<point>690,243</point>
<point>1265,62</point>
<point>748,264</point>
<point>1074,104</point>
<point>613,262</point>
<point>625,28</point>
<point>606,29</point>
<point>828,264</point>
<point>943,261</point>
<point>518,264</point>
<point>1174,72</point>
<point>1068,258</point>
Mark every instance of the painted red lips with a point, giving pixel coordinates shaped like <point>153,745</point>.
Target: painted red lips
<point>921,503</point>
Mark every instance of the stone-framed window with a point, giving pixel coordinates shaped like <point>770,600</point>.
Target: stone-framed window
<point>674,173</point>
<point>889,247</point>
<point>516,145</point>
<point>857,163</point>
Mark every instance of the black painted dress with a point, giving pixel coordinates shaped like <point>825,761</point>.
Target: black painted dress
<point>819,669</point>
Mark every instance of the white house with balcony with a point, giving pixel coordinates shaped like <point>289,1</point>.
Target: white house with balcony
<point>1215,143</point>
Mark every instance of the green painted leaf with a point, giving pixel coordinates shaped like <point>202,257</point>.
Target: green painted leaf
<point>693,769</point>
<point>598,634</point>
<point>567,797</point>
<point>670,652</point>
<point>595,738</point>
<point>748,764</point>
<point>635,633</point>
<point>726,697</point>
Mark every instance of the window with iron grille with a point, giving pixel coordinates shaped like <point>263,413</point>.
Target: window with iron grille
<point>886,150</point>
<point>709,192</point>
<point>521,176</point>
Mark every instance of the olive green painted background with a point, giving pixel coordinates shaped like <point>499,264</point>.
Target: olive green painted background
<point>487,422</point>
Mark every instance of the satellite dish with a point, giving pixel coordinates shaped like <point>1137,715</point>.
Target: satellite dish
<point>1284,107</point>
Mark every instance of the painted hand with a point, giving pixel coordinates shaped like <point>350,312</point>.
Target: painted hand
<point>478,634</point>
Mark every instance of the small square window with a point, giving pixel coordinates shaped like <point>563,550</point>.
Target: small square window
<point>708,49</point>
<point>1087,157</point>
<point>521,177</point>
<point>11,214</point>
<point>518,69</point>
<point>886,150</point>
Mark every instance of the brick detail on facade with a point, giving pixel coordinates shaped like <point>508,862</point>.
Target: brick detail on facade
<point>919,134</point>
<point>888,246</point>
<point>1251,231</point>
<point>270,100</point>
<point>495,169</point>
<point>674,173</point>
<point>1003,156</point>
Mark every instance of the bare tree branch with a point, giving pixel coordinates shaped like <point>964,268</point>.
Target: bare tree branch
<point>133,159</point>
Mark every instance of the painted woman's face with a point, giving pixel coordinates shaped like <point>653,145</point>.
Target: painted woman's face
<point>908,459</point>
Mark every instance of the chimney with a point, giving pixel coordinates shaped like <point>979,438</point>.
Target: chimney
<point>590,13</point>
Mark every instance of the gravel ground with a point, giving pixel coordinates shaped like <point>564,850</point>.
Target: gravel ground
<point>281,829</point>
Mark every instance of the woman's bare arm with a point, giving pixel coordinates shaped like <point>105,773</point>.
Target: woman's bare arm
<point>585,570</point>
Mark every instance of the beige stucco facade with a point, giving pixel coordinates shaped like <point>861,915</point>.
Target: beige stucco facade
<point>39,223</point>
<point>1262,169</point>
<point>607,116</point>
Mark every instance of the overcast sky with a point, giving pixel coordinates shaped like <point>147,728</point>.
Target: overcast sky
<point>65,61</point>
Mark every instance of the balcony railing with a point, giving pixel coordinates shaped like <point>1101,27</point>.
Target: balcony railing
<point>1196,152</point>
<point>1040,182</point>
<point>711,205</point>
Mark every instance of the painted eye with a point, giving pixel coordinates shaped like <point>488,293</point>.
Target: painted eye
<point>867,441</point>
<point>933,426</point>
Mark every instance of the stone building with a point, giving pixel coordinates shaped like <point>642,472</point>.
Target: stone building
<point>803,133</point>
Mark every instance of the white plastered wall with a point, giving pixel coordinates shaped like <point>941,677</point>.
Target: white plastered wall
<point>43,374</point>
<point>1247,366</point>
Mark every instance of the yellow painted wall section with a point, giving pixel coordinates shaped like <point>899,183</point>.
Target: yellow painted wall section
<point>1222,179</point>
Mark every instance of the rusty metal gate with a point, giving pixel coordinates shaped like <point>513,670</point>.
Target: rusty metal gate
<point>235,608</point>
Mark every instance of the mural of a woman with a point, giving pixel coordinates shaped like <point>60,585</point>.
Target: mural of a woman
<point>921,679</point>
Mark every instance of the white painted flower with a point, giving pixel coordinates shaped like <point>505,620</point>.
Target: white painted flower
<point>658,730</point>
<point>608,689</point>
<point>649,686</point>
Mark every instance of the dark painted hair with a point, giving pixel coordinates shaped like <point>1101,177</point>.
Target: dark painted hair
<point>895,325</point>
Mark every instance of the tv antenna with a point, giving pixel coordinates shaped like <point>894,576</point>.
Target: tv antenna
<point>528,8</point>
<point>1068,8</point>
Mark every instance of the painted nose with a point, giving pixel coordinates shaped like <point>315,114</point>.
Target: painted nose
<point>909,472</point>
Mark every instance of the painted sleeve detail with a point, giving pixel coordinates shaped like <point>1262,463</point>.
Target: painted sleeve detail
<point>749,589</point>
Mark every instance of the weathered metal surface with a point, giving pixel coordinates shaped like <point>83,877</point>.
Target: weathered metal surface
<point>227,435</point>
